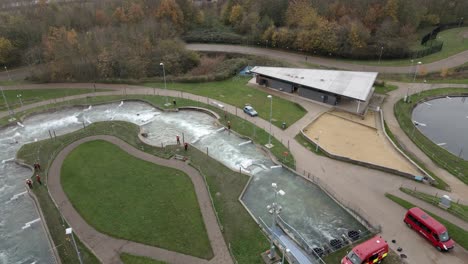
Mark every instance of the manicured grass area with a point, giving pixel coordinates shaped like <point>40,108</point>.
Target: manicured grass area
<point>456,233</point>
<point>131,259</point>
<point>45,151</point>
<point>440,184</point>
<point>458,210</point>
<point>453,44</point>
<point>335,257</point>
<point>133,199</point>
<point>236,92</point>
<point>35,95</point>
<point>383,89</point>
<point>403,112</point>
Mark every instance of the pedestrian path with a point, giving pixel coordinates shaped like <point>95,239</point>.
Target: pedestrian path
<point>108,249</point>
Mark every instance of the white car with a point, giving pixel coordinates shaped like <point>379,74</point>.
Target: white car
<point>250,111</point>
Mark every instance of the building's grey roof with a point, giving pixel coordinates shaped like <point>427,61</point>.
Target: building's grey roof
<point>356,85</point>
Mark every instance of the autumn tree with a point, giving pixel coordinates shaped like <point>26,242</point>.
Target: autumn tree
<point>6,51</point>
<point>169,10</point>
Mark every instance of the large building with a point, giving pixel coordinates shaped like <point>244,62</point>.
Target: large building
<point>348,90</point>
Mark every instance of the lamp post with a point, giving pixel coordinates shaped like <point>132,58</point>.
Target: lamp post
<point>269,145</point>
<point>274,209</point>
<point>318,138</point>
<point>414,79</point>
<point>165,86</point>
<point>381,51</point>
<point>8,73</point>
<point>69,231</point>
<point>4,97</point>
<point>460,22</point>
<point>19,97</point>
<point>287,252</point>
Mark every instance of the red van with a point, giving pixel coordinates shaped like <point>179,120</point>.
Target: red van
<point>371,251</point>
<point>429,228</point>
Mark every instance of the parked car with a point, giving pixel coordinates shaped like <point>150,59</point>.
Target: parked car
<point>373,250</point>
<point>429,228</point>
<point>250,111</point>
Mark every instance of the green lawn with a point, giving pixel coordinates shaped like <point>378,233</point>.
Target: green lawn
<point>403,112</point>
<point>240,230</point>
<point>453,44</point>
<point>132,199</point>
<point>131,259</point>
<point>235,91</point>
<point>35,95</point>
<point>458,210</point>
<point>383,89</point>
<point>456,233</point>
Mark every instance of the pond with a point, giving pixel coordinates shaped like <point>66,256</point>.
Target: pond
<point>445,122</point>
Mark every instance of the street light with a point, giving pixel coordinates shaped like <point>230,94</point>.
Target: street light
<point>165,86</point>
<point>69,231</point>
<point>381,51</point>
<point>414,79</point>
<point>269,145</point>
<point>318,138</point>
<point>274,209</point>
<point>287,252</point>
<point>8,73</point>
<point>19,97</point>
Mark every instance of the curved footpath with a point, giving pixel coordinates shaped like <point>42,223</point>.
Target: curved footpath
<point>356,186</point>
<point>299,59</point>
<point>107,248</point>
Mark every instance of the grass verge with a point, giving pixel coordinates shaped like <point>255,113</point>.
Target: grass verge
<point>440,184</point>
<point>136,200</point>
<point>458,234</point>
<point>403,112</point>
<point>453,43</point>
<point>308,145</point>
<point>235,92</point>
<point>383,89</point>
<point>30,96</point>
<point>131,259</point>
<point>458,210</point>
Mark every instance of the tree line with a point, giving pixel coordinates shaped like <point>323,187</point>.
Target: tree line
<point>347,28</point>
<point>109,39</point>
<point>99,40</point>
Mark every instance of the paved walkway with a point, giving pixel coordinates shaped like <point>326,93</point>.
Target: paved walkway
<point>297,59</point>
<point>356,186</point>
<point>107,248</point>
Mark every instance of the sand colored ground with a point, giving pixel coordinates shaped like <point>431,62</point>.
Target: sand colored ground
<point>369,120</point>
<point>346,138</point>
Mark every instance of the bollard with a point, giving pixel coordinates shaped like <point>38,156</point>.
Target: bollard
<point>55,136</point>
<point>207,152</point>
<point>50,134</point>
<point>240,170</point>
<point>84,126</point>
<point>183,138</point>
<point>162,145</point>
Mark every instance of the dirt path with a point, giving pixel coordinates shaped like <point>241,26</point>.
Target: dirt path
<point>299,59</point>
<point>356,186</point>
<point>107,248</point>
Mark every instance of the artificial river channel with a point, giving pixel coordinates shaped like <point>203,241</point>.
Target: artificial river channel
<point>316,216</point>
